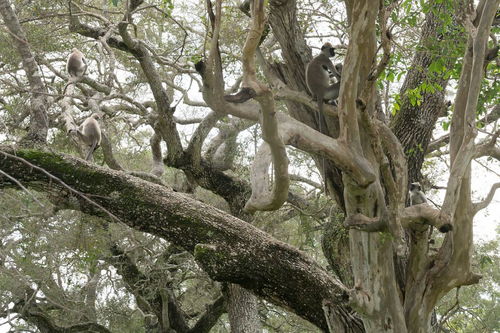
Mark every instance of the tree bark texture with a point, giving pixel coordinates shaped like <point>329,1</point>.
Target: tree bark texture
<point>430,278</point>
<point>296,53</point>
<point>37,132</point>
<point>414,122</point>
<point>379,307</point>
<point>242,310</point>
<point>227,248</point>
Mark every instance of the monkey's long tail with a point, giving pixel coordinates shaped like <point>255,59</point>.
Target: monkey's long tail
<point>91,151</point>
<point>320,121</point>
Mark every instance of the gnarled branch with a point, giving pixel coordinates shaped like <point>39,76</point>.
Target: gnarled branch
<point>235,251</point>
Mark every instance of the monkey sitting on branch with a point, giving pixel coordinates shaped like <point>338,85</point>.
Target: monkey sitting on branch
<point>318,76</point>
<point>416,195</point>
<point>76,66</point>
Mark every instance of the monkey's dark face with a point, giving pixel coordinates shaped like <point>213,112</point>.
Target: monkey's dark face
<point>328,49</point>
<point>415,187</point>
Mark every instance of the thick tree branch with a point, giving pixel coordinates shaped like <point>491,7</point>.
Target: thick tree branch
<point>365,223</point>
<point>420,217</point>
<point>227,248</point>
<point>107,152</point>
<point>155,141</point>
<point>302,137</point>
<point>262,198</point>
<point>195,144</point>
<point>414,122</point>
<point>462,156</point>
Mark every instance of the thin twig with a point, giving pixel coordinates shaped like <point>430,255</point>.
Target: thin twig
<point>21,186</point>
<point>72,190</point>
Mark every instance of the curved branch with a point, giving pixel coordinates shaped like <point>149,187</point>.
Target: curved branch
<point>304,138</point>
<point>463,151</point>
<point>262,198</point>
<point>195,144</point>
<point>483,204</point>
<point>107,151</point>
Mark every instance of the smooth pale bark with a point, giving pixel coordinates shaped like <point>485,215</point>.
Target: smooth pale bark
<point>376,294</point>
<point>218,245</point>
<point>430,278</point>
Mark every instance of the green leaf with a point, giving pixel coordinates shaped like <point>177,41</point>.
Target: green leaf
<point>445,125</point>
<point>390,77</point>
<point>485,260</point>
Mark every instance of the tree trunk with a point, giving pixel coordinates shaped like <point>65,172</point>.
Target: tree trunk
<point>414,122</point>
<point>376,294</point>
<point>38,129</point>
<point>243,310</point>
<point>429,278</point>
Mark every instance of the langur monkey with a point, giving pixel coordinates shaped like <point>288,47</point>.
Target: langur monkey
<point>76,66</point>
<point>318,77</point>
<point>416,194</point>
<point>90,133</point>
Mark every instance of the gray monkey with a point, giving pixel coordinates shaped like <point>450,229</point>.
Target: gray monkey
<point>76,65</point>
<point>90,133</point>
<point>318,77</point>
<point>416,194</point>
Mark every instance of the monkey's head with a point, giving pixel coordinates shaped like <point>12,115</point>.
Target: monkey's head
<point>96,116</point>
<point>415,187</point>
<point>328,50</point>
